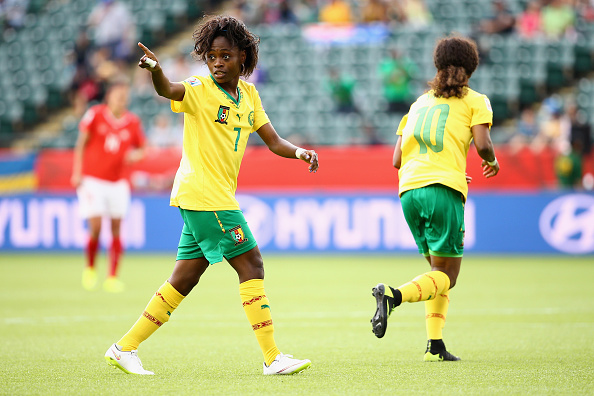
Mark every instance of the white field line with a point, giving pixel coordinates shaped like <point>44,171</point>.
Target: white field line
<point>231,317</point>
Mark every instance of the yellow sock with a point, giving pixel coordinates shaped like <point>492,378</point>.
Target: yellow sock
<point>257,310</point>
<point>436,311</point>
<point>157,312</point>
<point>425,287</point>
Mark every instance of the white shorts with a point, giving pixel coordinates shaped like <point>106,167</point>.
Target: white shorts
<point>98,198</point>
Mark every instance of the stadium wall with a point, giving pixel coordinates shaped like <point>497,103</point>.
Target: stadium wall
<point>352,168</point>
<point>530,222</point>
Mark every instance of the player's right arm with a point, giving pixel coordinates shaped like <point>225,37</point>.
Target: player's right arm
<point>397,157</point>
<point>484,148</point>
<point>163,87</point>
<point>79,148</point>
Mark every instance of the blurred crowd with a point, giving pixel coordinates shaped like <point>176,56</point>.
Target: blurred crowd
<point>413,13</point>
<point>106,47</point>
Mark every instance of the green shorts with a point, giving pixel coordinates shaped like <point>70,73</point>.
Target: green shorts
<point>214,235</point>
<point>435,215</point>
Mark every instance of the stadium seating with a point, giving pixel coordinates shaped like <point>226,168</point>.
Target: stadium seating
<point>35,56</point>
<point>514,72</point>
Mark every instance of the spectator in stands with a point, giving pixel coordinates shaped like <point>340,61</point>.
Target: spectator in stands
<point>336,12</point>
<point>529,21</point>
<point>341,88</point>
<point>113,28</point>
<point>551,127</point>
<point>162,133</point>
<point>397,73</point>
<point>374,11</point>
<point>83,87</point>
<point>415,14</point>
<point>577,130</point>
<point>12,13</point>
<point>110,136</point>
<point>527,131</point>
<point>558,20</point>
<point>286,14</point>
<point>307,11</point>
<point>501,22</point>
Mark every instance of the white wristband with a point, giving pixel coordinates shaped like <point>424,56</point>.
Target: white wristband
<point>492,163</point>
<point>298,152</point>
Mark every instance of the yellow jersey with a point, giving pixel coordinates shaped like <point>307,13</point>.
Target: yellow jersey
<point>216,131</point>
<point>435,139</point>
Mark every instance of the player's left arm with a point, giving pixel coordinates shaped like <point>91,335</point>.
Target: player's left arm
<point>136,154</point>
<point>284,148</point>
<point>138,151</point>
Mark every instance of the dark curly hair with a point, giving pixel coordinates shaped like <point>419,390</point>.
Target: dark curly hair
<point>455,58</point>
<point>235,31</point>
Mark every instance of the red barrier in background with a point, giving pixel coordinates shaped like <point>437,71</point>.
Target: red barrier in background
<point>355,168</point>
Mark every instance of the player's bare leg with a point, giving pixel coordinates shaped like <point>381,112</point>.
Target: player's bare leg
<point>250,270</point>
<point>186,274</point>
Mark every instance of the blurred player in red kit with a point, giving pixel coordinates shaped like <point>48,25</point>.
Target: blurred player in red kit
<point>110,137</point>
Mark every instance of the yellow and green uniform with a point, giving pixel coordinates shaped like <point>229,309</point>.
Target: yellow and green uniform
<point>436,135</point>
<point>435,139</point>
<point>216,131</point>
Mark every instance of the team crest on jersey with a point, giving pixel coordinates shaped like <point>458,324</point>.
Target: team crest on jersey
<point>193,81</point>
<point>238,234</point>
<point>251,118</point>
<point>223,114</point>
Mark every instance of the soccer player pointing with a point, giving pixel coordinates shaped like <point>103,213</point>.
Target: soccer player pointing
<point>430,154</point>
<point>220,112</point>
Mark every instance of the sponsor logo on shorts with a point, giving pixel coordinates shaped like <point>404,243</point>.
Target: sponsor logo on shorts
<point>238,234</point>
<point>264,306</point>
<point>223,115</point>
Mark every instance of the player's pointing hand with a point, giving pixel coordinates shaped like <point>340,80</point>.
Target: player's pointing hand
<point>148,60</point>
<point>312,157</point>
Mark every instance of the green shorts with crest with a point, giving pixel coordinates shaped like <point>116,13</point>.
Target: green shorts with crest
<point>214,235</point>
<point>435,215</point>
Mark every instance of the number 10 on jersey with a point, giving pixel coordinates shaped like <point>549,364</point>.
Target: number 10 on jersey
<point>423,132</point>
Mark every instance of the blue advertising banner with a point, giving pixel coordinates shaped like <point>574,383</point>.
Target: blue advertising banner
<point>504,223</point>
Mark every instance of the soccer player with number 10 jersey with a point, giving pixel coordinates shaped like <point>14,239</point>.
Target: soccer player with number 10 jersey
<point>434,138</point>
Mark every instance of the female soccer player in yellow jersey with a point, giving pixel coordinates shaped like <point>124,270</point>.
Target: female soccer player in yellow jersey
<point>430,154</point>
<point>220,112</point>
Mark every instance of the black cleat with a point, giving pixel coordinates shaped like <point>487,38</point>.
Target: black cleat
<point>385,306</point>
<point>436,352</point>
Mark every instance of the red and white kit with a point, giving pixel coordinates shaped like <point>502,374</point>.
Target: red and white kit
<point>104,191</point>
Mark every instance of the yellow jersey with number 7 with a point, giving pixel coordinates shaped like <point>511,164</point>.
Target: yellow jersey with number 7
<point>436,136</point>
<point>216,131</point>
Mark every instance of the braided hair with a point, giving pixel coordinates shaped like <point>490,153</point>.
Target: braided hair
<point>233,30</point>
<point>455,58</point>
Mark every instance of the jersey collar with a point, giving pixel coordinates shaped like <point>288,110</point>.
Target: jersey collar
<point>231,98</point>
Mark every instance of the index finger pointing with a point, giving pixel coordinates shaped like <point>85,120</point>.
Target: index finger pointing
<point>144,48</point>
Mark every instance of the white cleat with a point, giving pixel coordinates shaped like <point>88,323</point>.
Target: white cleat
<point>284,364</point>
<point>127,361</point>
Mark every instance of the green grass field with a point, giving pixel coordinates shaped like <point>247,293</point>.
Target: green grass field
<point>522,325</point>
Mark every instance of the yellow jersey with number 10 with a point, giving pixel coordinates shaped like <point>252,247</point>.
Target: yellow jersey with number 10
<point>435,139</point>
<point>216,131</point>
